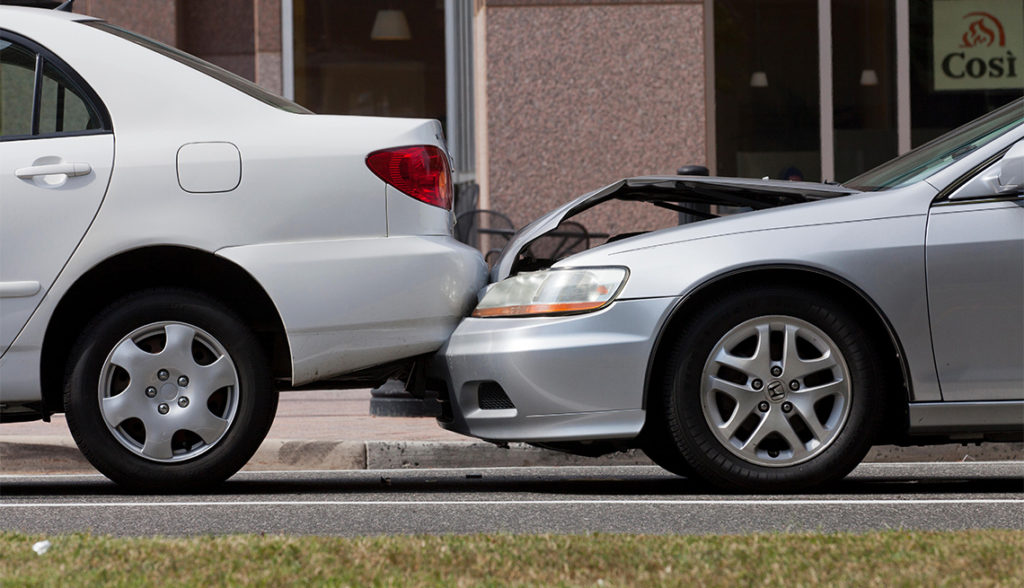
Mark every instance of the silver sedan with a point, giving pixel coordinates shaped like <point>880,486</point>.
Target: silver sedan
<point>768,349</point>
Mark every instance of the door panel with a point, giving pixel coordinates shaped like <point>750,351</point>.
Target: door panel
<point>43,217</point>
<point>56,152</point>
<point>975,261</point>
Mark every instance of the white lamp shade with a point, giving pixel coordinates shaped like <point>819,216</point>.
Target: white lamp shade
<point>390,25</point>
<point>868,77</point>
<point>758,79</point>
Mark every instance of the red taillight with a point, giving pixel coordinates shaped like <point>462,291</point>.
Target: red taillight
<point>421,171</point>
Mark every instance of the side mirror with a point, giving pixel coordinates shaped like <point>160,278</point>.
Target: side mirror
<point>1003,178</point>
<point>1011,171</point>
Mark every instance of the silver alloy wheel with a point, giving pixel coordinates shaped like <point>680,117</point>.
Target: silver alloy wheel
<point>168,391</point>
<point>775,391</point>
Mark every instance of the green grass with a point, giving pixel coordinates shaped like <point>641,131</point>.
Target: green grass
<point>893,558</point>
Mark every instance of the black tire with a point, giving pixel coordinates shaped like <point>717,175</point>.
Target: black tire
<point>168,433</point>
<point>657,444</point>
<point>772,433</point>
<point>667,457</point>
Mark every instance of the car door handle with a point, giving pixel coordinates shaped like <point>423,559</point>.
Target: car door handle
<point>68,169</point>
<point>18,289</point>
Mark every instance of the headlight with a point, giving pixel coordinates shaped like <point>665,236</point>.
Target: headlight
<point>557,291</point>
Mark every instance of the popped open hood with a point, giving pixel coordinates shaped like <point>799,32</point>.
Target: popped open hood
<point>679,193</point>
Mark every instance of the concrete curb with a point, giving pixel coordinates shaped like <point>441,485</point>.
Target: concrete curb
<point>388,455</point>
<point>58,455</point>
<point>478,454</point>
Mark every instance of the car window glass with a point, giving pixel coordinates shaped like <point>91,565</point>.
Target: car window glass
<point>62,110</point>
<point>17,79</point>
<point>936,155</point>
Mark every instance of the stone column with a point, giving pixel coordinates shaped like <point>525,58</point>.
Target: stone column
<point>267,47</point>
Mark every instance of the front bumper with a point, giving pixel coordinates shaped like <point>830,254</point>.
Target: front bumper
<point>568,378</point>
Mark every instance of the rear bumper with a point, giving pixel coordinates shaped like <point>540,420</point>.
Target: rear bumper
<point>348,304</point>
<point>567,378</point>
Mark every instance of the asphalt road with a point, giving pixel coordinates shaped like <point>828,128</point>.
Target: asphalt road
<point>520,500</point>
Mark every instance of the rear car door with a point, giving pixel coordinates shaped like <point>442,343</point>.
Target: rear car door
<point>975,263</point>
<point>56,154</point>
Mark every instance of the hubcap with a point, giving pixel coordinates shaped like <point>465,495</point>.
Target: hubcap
<point>775,391</point>
<point>168,391</point>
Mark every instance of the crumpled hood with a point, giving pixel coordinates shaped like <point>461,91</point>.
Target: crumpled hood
<point>673,192</point>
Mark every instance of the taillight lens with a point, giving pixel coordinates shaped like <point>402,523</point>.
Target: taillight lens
<point>421,171</point>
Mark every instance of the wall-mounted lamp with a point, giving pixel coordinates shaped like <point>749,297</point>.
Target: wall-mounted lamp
<point>390,25</point>
<point>868,76</point>
<point>758,79</point>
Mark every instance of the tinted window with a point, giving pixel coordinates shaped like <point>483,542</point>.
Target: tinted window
<point>17,81</point>
<point>53,106</point>
<point>61,109</point>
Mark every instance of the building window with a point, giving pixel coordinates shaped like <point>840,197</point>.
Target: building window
<point>813,89</point>
<point>364,57</point>
<point>766,88</point>
<point>863,85</point>
<point>966,59</point>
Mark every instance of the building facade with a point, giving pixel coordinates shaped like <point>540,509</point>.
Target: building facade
<point>543,100</point>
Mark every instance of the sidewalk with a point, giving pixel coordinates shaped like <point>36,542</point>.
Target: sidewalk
<point>330,430</point>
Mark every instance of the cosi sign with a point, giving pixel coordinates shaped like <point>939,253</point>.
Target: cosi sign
<point>978,44</point>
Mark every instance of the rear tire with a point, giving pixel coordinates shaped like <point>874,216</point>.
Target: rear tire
<point>169,391</point>
<point>772,389</point>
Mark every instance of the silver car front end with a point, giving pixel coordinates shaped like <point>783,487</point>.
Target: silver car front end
<point>576,377</point>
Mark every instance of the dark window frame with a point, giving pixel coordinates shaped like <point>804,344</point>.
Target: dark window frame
<point>73,81</point>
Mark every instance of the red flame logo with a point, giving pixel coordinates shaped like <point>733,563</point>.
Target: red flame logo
<point>983,32</point>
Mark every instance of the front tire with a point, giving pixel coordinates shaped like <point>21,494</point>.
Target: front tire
<point>773,389</point>
<point>168,390</point>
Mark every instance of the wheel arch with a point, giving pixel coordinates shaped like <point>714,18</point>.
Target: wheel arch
<point>895,369</point>
<point>157,267</point>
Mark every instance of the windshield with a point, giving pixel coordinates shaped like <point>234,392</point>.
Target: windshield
<point>934,156</point>
<point>237,82</point>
